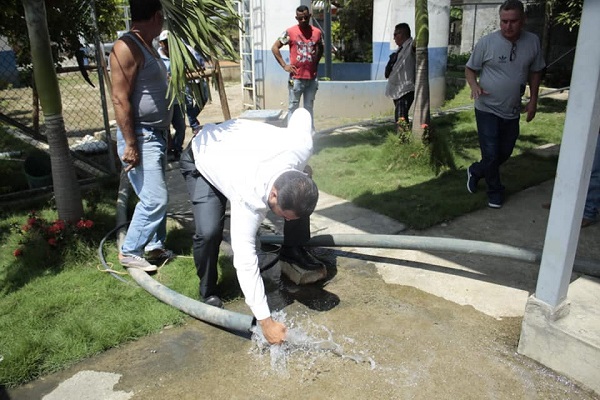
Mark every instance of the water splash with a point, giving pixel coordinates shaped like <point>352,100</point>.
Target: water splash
<point>300,340</point>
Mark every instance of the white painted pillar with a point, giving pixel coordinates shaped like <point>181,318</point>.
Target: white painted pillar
<point>386,15</point>
<point>574,163</point>
<point>439,29</point>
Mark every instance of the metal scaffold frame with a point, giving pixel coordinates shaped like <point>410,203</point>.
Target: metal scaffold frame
<point>247,62</point>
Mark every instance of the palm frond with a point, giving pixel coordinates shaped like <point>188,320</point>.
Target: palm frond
<point>202,25</point>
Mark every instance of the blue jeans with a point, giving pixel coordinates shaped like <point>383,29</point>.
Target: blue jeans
<point>592,201</point>
<point>305,88</point>
<point>148,227</point>
<point>497,138</point>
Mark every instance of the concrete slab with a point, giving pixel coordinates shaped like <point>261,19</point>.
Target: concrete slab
<point>89,385</point>
<point>569,343</point>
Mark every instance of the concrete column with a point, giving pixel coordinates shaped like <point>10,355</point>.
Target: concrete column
<point>574,163</point>
<point>439,29</point>
<point>386,15</point>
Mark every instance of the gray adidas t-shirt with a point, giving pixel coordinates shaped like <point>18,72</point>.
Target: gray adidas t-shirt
<point>502,78</point>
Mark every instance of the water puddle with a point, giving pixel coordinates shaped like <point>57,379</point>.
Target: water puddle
<point>306,340</point>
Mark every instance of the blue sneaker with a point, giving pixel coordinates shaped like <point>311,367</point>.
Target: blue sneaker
<point>471,181</point>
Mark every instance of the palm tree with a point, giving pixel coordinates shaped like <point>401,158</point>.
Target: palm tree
<point>66,187</point>
<point>422,114</point>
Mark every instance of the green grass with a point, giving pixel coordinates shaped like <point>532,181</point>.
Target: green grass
<point>57,308</point>
<point>374,171</point>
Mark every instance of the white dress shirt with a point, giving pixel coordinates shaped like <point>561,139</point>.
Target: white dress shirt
<point>242,159</point>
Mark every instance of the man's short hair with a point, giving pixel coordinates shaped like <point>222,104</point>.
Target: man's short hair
<point>403,28</point>
<point>302,9</point>
<point>296,192</point>
<point>143,10</point>
<point>512,5</point>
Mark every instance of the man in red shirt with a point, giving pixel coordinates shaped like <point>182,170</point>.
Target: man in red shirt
<point>306,48</point>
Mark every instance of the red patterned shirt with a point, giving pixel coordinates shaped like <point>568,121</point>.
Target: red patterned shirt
<point>304,50</point>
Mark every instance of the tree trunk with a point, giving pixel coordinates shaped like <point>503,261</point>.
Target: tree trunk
<point>422,114</point>
<point>66,188</point>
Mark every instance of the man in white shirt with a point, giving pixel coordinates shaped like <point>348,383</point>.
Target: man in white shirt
<point>257,167</point>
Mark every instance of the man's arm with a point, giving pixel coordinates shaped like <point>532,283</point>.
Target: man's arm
<point>320,50</point>
<point>534,87</point>
<point>244,224</point>
<point>277,53</point>
<point>476,90</point>
<point>124,69</point>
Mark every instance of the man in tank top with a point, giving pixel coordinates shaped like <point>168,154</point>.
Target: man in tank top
<point>139,88</point>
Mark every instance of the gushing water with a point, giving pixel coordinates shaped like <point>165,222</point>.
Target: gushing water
<point>299,340</point>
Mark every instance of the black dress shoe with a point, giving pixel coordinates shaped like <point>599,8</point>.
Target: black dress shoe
<point>300,256</point>
<point>214,301</point>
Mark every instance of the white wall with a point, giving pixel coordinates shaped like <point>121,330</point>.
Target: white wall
<point>478,20</point>
<point>348,98</point>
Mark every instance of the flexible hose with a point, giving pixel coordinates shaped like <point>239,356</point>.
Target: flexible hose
<point>587,267</point>
<point>226,319</point>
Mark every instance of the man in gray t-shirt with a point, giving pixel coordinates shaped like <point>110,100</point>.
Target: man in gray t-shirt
<point>506,61</point>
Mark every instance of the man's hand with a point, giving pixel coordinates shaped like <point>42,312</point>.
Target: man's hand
<point>289,68</point>
<point>131,156</point>
<point>274,331</point>
<point>530,109</point>
<point>477,91</point>
<point>471,77</point>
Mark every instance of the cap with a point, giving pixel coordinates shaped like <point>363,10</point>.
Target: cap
<point>164,35</point>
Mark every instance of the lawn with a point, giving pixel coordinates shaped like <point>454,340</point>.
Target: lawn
<point>373,170</point>
<point>58,307</point>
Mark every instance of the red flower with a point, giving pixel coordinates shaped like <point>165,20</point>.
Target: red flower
<point>424,126</point>
<point>18,252</point>
<point>52,241</point>
<point>31,221</point>
<point>59,224</point>
<point>26,227</point>
<point>54,229</point>
<point>84,224</point>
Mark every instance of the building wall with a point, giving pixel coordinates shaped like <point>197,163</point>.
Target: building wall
<point>356,89</point>
<point>478,20</point>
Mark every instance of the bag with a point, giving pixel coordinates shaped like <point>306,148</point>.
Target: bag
<point>390,64</point>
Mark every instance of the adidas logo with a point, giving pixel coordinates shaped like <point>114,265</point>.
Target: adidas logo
<point>502,59</point>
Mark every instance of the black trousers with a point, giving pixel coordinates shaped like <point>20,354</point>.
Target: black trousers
<point>208,207</point>
<point>402,105</point>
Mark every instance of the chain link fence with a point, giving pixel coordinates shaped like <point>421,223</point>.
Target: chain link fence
<point>86,110</point>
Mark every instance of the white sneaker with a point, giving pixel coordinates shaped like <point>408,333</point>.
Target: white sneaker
<point>137,262</point>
